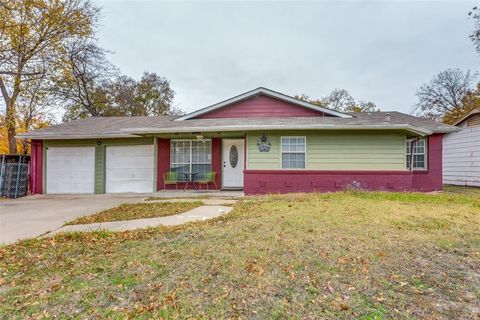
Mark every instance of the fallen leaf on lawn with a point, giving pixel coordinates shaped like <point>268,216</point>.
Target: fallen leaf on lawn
<point>329,287</point>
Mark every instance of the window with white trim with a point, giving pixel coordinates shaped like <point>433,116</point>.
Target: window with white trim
<point>190,156</point>
<point>293,152</point>
<point>418,153</point>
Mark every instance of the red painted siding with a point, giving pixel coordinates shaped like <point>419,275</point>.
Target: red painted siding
<point>217,161</point>
<point>431,180</point>
<point>163,160</point>
<point>36,167</point>
<point>261,106</point>
<point>285,181</point>
<point>163,163</point>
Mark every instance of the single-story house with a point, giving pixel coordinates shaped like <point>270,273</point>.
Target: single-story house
<point>261,141</point>
<point>461,152</point>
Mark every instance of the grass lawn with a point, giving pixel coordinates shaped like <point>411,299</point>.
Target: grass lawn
<point>130,211</point>
<point>342,256</point>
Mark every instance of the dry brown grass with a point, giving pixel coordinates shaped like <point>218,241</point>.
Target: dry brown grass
<point>342,256</point>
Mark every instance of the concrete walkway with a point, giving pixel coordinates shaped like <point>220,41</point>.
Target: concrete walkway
<point>198,214</point>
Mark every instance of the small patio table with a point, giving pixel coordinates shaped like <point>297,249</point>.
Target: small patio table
<point>190,178</point>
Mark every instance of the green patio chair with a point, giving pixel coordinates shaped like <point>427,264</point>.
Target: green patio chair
<point>170,178</point>
<point>207,179</point>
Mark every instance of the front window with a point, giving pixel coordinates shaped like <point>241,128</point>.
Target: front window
<point>191,156</point>
<point>419,160</point>
<point>293,152</point>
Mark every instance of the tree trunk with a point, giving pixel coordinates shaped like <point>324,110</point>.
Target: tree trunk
<point>11,132</point>
<point>9,117</point>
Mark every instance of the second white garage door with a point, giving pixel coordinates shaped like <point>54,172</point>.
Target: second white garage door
<point>129,169</point>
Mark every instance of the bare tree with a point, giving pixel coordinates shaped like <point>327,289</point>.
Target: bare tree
<point>475,36</point>
<point>81,73</point>
<point>32,35</point>
<point>443,94</point>
<point>340,100</point>
<point>34,107</point>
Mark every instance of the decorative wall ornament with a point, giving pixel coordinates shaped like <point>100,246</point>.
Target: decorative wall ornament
<point>263,143</point>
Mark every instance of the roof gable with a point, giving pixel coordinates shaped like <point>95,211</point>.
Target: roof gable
<point>467,116</point>
<point>262,103</point>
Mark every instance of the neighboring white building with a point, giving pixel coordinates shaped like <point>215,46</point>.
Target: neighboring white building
<point>461,152</point>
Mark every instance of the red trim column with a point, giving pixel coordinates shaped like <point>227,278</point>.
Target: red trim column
<point>163,160</point>
<point>36,167</point>
<point>431,179</point>
<point>217,160</point>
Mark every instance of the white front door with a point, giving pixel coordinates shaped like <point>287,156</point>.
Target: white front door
<point>129,169</point>
<point>70,169</point>
<point>233,157</point>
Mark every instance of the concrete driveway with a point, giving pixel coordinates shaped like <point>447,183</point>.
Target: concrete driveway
<point>33,216</point>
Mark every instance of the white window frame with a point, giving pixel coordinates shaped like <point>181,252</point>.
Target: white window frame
<point>282,152</point>
<point>412,154</point>
<point>190,158</point>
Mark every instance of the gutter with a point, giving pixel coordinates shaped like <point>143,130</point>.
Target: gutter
<point>141,131</point>
<point>74,136</point>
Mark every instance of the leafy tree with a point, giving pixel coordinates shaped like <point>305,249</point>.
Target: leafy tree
<point>33,34</point>
<point>341,100</point>
<point>317,102</point>
<point>124,96</point>
<point>442,97</point>
<point>364,106</point>
<point>470,102</point>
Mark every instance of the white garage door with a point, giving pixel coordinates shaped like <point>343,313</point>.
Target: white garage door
<point>70,170</point>
<point>129,169</point>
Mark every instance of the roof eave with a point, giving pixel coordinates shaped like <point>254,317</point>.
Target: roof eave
<point>471,113</point>
<point>74,136</point>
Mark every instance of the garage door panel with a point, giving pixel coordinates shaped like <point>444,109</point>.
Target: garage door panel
<point>72,162</point>
<point>131,174</point>
<point>70,170</point>
<point>137,186</point>
<point>129,169</point>
<point>126,151</point>
<point>141,161</point>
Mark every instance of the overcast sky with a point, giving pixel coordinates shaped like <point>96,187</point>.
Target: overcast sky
<point>211,51</point>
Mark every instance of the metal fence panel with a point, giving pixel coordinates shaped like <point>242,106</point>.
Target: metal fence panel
<point>13,179</point>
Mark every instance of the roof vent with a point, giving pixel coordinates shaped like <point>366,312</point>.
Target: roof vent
<point>387,117</point>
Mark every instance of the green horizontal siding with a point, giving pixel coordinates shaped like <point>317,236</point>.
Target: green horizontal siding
<point>263,160</point>
<point>335,150</point>
<point>100,153</point>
